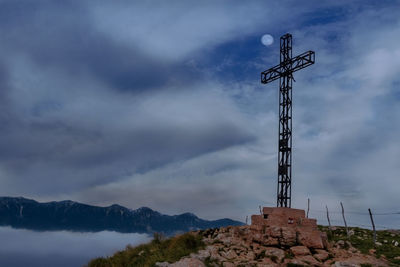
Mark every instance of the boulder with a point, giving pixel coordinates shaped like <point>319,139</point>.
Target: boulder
<point>309,260</point>
<point>288,237</point>
<point>188,262</point>
<point>321,255</point>
<point>250,255</point>
<point>268,263</point>
<point>270,241</point>
<point>230,254</point>
<point>271,251</point>
<point>344,264</point>
<point>201,254</point>
<point>311,239</point>
<point>162,264</point>
<point>228,264</point>
<point>300,250</point>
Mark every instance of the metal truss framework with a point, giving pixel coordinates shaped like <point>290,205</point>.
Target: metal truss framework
<point>284,72</point>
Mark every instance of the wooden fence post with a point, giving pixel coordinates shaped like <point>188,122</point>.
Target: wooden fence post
<point>344,219</point>
<point>308,206</point>
<point>247,218</point>
<point>373,225</point>
<point>327,216</point>
<point>260,210</point>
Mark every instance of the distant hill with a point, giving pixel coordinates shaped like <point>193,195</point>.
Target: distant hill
<point>69,215</point>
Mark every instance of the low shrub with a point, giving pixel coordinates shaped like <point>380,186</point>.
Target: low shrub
<point>158,250</point>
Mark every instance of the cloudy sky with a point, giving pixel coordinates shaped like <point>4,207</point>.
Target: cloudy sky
<point>159,104</point>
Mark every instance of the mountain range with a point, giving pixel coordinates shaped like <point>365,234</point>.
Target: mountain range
<point>19,212</point>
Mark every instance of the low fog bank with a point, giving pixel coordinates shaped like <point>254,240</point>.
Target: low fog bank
<point>60,248</point>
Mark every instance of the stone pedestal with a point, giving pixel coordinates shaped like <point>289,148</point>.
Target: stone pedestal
<point>286,227</point>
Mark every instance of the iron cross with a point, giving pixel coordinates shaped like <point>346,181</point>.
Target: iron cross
<point>284,72</point>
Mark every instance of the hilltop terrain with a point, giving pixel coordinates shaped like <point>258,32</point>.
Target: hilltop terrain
<point>234,246</point>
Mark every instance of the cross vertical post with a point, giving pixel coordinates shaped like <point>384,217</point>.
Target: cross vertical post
<point>284,71</point>
<point>285,124</point>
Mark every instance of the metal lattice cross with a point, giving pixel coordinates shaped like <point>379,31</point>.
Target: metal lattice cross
<point>284,72</point>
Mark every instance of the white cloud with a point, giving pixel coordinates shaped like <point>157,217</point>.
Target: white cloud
<point>177,30</point>
<point>345,115</point>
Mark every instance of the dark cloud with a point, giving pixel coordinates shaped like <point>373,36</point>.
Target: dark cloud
<point>160,105</point>
<point>63,37</point>
<point>68,157</point>
<point>44,148</point>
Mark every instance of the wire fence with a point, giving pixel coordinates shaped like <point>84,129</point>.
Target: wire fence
<point>357,212</point>
<point>379,216</point>
<point>357,219</point>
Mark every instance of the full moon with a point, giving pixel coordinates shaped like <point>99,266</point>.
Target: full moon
<point>267,39</point>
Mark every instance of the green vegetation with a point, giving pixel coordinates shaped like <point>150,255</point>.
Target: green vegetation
<point>362,239</point>
<point>158,250</point>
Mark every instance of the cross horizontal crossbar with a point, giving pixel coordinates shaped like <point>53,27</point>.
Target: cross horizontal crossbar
<point>285,68</point>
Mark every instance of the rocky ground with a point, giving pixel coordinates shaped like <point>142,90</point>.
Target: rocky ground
<point>236,246</point>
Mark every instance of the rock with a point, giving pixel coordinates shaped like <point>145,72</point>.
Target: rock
<point>237,248</point>
<point>247,246</point>
<point>378,243</point>
<point>300,250</point>
<point>275,231</point>
<point>228,264</point>
<point>257,237</point>
<point>324,238</point>
<point>230,254</point>
<point>250,255</point>
<point>311,239</point>
<point>397,258</point>
<point>162,264</point>
<point>271,251</point>
<point>266,264</point>
<point>201,255</point>
<point>340,243</point>
<point>343,244</point>
<point>308,259</point>
<point>188,262</point>
<point>224,238</point>
<point>293,261</point>
<point>214,255</point>
<point>288,236</point>
<point>344,264</point>
<point>396,243</point>
<point>353,250</point>
<point>270,241</point>
<point>321,255</point>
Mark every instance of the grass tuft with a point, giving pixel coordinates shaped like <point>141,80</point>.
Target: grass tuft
<point>362,239</point>
<point>158,250</point>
